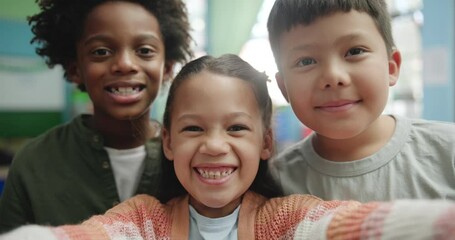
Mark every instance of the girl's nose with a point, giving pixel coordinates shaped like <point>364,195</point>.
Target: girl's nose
<point>215,145</point>
<point>334,75</point>
<point>125,63</point>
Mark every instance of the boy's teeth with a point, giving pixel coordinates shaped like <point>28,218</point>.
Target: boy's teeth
<point>125,91</point>
<point>215,174</point>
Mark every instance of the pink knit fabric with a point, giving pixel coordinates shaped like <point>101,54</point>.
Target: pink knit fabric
<point>295,216</point>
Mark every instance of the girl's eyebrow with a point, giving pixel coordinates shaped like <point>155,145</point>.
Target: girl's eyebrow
<point>192,116</point>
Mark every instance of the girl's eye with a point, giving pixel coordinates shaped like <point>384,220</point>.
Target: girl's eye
<point>354,51</point>
<point>306,61</point>
<point>191,129</point>
<point>101,52</point>
<point>237,128</point>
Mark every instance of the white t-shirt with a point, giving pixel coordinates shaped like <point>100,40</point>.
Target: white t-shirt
<point>128,166</point>
<point>224,228</point>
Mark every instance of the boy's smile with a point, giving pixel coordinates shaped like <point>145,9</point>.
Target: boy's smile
<point>125,92</point>
<point>120,60</point>
<point>336,73</point>
<point>337,105</point>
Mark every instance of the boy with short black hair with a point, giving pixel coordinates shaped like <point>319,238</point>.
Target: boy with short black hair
<point>336,62</point>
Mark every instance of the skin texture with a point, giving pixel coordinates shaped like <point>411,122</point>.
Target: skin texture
<point>336,75</point>
<point>216,126</point>
<point>121,47</point>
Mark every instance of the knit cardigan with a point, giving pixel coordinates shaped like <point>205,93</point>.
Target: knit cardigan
<point>290,217</point>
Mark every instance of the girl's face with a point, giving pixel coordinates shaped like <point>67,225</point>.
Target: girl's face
<point>216,141</point>
<point>120,59</point>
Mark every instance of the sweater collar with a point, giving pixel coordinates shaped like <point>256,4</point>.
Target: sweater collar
<point>250,203</point>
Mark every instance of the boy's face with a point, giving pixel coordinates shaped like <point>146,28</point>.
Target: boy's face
<point>216,141</point>
<point>335,73</point>
<point>120,60</point>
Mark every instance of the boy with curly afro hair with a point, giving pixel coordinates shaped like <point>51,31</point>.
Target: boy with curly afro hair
<point>119,52</point>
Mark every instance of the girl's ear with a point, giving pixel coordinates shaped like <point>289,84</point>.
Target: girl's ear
<point>166,141</point>
<point>267,146</point>
<point>394,67</point>
<point>74,73</point>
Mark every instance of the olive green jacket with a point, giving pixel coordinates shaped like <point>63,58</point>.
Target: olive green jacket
<point>64,177</point>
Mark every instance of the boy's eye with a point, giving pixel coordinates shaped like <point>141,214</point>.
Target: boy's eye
<point>306,61</point>
<point>236,128</point>
<point>101,52</point>
<point>145,51</point>
<point>191,129</point>
<point>354,51</point>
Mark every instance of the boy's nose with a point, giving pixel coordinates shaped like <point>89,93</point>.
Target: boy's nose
<point>334,76</point>
<point>214,145</point>
<point>124,63</point>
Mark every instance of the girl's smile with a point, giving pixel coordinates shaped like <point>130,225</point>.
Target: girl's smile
<point>216,140</point>
<point>215,175</point>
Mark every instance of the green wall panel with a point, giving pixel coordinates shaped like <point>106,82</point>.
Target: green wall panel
<point>27,124</point>
<point>229,24</point>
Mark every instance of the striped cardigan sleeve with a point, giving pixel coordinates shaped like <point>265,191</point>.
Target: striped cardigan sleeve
<point>290,217</point>
<point>400,219</point>
<point>308,217</point>
<point>141,217</point>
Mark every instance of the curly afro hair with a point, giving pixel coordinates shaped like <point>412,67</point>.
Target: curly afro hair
<point>59,25</point>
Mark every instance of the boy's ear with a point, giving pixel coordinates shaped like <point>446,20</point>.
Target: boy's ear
<point>166,141</point>
<point>394,67</point>
<point>280,81</point>
<point>168,71</point>
<point>73,73</point>
<point>267,147</point>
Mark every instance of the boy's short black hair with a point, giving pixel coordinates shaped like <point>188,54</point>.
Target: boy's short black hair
<point>286,14</point>
<point>60,24</point>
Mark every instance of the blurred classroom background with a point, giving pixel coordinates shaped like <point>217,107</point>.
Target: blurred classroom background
<point>34,98</point>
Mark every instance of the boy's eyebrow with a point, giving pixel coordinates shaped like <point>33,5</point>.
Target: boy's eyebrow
<point>311,46</point>
<point>351,36</point>
<point>303,47</point>
<point>105,37</point>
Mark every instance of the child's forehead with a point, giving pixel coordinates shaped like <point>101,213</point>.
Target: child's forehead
<point>213,85</point>
<point>347,25</point>
<point>205,78</point>
<point>109,8</point>
<point>121,17</point>
<point>206,89</point>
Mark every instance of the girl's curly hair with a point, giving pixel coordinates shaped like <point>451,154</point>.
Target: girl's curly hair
<point>59,25</point>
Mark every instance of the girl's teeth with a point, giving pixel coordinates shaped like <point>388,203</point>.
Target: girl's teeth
<point>215,174</point>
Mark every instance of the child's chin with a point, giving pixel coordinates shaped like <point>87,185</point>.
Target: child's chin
<point>216,203</point>
<point>129,115</point>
